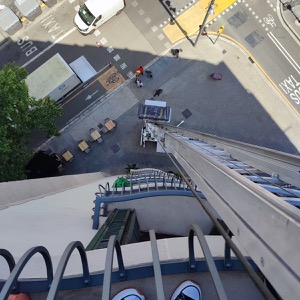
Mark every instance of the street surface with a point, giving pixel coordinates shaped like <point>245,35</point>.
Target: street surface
<point>145,30</point>
<point>256,26</point>
<point>131,39</point>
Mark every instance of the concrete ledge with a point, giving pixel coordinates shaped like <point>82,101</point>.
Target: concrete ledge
<point>18,192</point>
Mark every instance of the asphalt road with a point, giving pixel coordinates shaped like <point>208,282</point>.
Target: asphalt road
<point>257,26</point>
<point>135,37</point>
<point>131,39</point>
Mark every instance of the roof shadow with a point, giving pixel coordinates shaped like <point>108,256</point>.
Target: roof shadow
<point>227,108</point>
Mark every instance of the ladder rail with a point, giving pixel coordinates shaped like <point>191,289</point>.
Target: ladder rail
<point>237,201</point>
<point>259,219</point>
<point>241,167</point>
<point>268,160</point>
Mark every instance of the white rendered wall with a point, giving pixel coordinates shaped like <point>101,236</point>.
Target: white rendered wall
<point>17,192</point>
<point>172,214</point>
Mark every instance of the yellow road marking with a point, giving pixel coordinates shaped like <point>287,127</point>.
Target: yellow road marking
<point>24,19</point>
<point>188,23</point>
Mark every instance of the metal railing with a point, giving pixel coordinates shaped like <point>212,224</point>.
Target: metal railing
<point>53,284</point>
<point>141,184</point>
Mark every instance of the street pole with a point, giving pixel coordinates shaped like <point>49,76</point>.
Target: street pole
<point>202,27</point>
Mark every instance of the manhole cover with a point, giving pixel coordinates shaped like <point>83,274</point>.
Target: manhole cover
<point>238,19</point>
<point>115,148</point>
<point>254,38</point>
<point>186,113</point>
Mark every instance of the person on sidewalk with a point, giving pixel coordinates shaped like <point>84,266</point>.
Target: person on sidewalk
<point>175,52</point>
<point>140,70</point>
<point>139,83</point>
<point>149,73</point>
<point>137,77</point>
<point>158,92</point>
<point>188,290</point>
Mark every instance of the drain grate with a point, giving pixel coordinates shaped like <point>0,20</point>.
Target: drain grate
<point>186,113</point>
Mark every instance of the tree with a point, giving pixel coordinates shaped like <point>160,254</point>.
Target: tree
<point>19,115</point>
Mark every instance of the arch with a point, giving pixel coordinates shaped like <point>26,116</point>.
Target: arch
<point>62,266</point>
<point>195,229</point>
<point>11,282</point>
<point>9,258</point>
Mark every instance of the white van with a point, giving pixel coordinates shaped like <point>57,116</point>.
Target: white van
<point>93,13</point>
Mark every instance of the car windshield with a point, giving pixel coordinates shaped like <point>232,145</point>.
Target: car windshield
<point>86,16</point>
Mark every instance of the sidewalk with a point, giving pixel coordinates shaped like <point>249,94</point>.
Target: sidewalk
<point>243,106</point>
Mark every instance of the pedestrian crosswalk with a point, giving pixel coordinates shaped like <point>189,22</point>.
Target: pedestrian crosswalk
<point>188,22</point>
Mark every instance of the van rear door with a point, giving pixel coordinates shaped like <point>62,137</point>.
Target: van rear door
<point>83,69</point>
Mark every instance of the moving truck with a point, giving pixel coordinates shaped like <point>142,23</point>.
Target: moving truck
<point>94,13</point>
<point>55,78</point>
<point>83,68</point>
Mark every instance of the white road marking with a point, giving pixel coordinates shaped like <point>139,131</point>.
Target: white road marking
<point>89,97</point>
<point>97,32</point>
<point>117,57</point>
<point>269,20</point>
<point>290,59</point>
<point>123,66</point>
<point>110,49</point>
<point>49,47</point>
<point>103,41</point>
<point>129,74</point>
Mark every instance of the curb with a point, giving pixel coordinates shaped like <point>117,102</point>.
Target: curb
<point>281,17</point>
<point>242,48</point>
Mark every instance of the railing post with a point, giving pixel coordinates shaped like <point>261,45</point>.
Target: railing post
<point>11,282</point>
<point>195,229</point>
<point>9,258</point>
<point>227,256</point>
<point>156,266</point>
<point>62,266</point>
<point>96,213</point>
<point>112,244</point>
